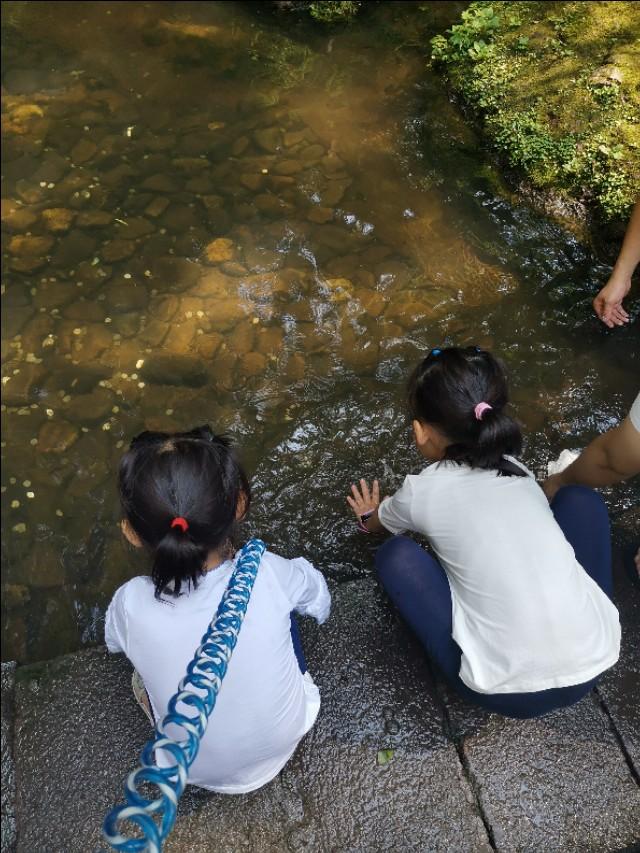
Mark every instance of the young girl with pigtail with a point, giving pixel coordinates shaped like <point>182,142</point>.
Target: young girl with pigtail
<point>514,607</point>
<point>182,497</point>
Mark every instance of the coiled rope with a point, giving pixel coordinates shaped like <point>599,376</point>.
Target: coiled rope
<point>198,690</point>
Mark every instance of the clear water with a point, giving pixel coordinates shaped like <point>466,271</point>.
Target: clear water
<point>364,225</point>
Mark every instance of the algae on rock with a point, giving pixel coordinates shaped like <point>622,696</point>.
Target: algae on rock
<point>557,88</point>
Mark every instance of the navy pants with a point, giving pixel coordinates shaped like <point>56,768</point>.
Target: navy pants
<point>418,586</point>
<point>297,644</point>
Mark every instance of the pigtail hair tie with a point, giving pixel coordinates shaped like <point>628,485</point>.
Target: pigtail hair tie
<point>480,409</point>
<point>180,522</point>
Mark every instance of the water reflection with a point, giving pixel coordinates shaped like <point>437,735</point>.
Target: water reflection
<point>206,219</point>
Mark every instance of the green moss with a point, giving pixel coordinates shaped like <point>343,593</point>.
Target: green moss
<point>334,11</point>
<point>557,86</point>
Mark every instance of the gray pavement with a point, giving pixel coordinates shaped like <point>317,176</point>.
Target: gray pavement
<point>458,779</point>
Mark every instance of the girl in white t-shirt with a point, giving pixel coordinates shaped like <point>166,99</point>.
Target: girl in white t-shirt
<point>182,495</point>
<point>516,610</point>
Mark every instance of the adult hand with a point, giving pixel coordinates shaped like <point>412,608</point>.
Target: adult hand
<point>552,485</point>
<point>608,303</point>
<point>364,500</point>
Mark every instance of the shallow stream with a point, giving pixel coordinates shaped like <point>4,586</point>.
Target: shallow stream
<point>213,216</point>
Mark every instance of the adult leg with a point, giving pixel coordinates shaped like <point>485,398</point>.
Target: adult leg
<point>583,518</point>
<point>418,586</point>
<point>297,644</point>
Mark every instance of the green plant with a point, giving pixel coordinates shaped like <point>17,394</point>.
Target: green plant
<point>468,38</point>
<point>334,11</point>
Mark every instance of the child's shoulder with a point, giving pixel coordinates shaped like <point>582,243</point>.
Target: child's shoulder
<point>133,588</point>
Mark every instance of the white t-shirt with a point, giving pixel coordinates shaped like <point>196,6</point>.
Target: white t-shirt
<point>265,704</point>
<point>634,414</point>
<point>526,615</point>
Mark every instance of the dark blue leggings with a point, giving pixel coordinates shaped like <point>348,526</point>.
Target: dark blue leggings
<point>297,644</point>
<point>418,586</point>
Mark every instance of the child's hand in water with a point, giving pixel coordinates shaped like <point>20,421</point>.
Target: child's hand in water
<point>363,500</point>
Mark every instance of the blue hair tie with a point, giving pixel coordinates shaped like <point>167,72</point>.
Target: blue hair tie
<point>435,351</point>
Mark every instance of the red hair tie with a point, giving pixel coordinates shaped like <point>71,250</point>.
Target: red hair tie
<point>180,522</point>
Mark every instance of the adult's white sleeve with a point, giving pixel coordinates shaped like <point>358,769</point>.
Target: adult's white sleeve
<point>634,414</point>
<point>115,623</point>
<point>306,588</point>
<point>394,513</point>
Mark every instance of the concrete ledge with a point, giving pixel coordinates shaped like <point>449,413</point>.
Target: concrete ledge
<point>8,790</point>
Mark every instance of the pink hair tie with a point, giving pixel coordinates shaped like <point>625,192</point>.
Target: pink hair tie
<point>180,522</point>
<point>480,409</point>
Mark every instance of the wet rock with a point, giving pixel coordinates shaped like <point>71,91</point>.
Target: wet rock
<point>78,379</point>
<point>191,165</point>
<point>53,294</point>
<point>252,364</point>
<point>52,168</point>
<point>341,289</point>
<point>174,273</point>
<point>288,167</point>
<point>335,238</point>
<point>127,325</point>
<point>181,336</point>
<point>234,269</point>
<point>213,203</point>
<point>334,192</point>
<point>320,214</point>
<point>57,219</point>
<point>174,370</point>
<point>83,151</point>
<point>25,386</point>
<point>271,205</point>
<point>240,146</point>
<point>200,185</point>
<point>124,296</point>
<point>28,193</point>
<point>375,254</point>
<point>56,436</point>
<point>30,246</point>
<point>136,227</point>
<point>157,207</point>
<point>196,143</point>
<point>261,260</point>
<point>90,408</point>
<point>15,217</point>
<point>181,217</point>
<point>14,595</point>
<point>269,139</point>
<point>43,567</point>
<point>27,265</point>
<point>161,184</point>
<point>220,250</point>
<point>119,176</point>
<point>82,310</point>
<point>117,250</point>
<point>294,137</point>
<point>252,181</point>
<point>392,272</point>
<point>154,333</point>
<point>312,153</point>
<point>270,340</point>
<point>94,219</point>
<point>226,313</point>
<point>208,345</point>
<point>73,248</point>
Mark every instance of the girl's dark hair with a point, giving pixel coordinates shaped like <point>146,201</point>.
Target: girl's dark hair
<point>444,390</point>
<point>193,475</point>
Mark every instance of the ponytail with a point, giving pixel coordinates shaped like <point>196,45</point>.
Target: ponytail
<point>463,393</point>
<point>180,492</point>
<point>177,559</point>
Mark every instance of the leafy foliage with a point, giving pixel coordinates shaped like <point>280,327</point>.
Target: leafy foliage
<point>334,11</point>
<point>552,99</point>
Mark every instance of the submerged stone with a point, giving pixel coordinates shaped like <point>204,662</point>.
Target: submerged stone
<point>56,436</point>
<point>57,219</point>
<point>15,217</point>
<point>220,250</point>
<point>30,246</point>
<point>174,370</point>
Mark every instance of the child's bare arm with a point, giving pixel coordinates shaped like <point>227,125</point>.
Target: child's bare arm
<point>364,501</point>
